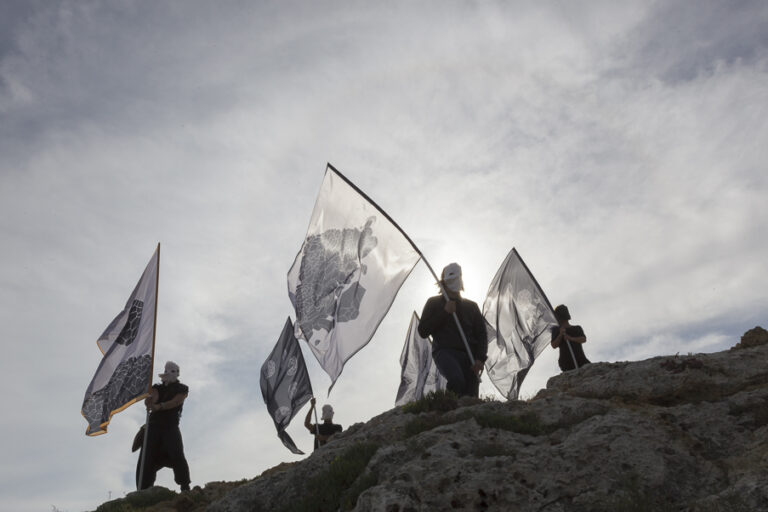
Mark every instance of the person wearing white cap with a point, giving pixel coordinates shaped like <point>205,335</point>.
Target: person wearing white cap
<point>324,430</point>
<point>448,349</point>
<point>163,444</point>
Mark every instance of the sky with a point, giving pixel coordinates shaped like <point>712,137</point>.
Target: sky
<point>619,146</point>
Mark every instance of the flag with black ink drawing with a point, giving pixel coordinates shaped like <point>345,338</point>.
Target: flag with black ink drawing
<point>344,279</point>
<point>124,375</point>
<point>419,374</point>
<point>285,384</point>
<point>518,318</point>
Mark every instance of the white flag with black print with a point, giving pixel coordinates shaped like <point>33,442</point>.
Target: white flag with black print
<point>345,277</point>
<point>285,383</point>
<point>518,319</point>
<point>419,374</point>
<point>124,375</point>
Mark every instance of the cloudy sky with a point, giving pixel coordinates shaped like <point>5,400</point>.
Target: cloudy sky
<point>619,146</point>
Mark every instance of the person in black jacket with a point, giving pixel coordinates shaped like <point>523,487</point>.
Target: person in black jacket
<point>569,339</point>
<point>448,349</point>
<point>164,444</point>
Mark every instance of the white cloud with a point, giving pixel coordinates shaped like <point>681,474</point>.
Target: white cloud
<point>622,157</point>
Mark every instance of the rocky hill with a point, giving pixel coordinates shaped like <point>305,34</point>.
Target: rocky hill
<point>673,433</point>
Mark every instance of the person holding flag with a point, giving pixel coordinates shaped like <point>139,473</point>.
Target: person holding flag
<point>449,352</point>
<point>325,430</point>
<point>163,444</point>
<point>570,340</point>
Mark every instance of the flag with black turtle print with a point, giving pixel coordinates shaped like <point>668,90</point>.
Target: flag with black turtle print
<point>419,374</point>
<point>345,277</point>
<point>125,372</point>
<point>285,383</point>
<point>518,319</point>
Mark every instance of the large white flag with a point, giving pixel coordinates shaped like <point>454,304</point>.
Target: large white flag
<point>124,375</point>
<point>419,374</point>
<point>519,318</point>
<point>346,275</point>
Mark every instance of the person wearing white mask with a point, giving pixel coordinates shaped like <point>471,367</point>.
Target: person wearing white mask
<point>448,349</point>
<point>164,443</point>
<point>324,430</point>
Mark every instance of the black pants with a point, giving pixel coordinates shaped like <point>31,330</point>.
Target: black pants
<point>456,367</point>
<point>164,449</point>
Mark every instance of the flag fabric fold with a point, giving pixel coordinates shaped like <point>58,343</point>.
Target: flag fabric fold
<point>124,375</point>
<point>519,318</point>
<point>285,383</point>
<point>347,273</point>
<point>419,374</point>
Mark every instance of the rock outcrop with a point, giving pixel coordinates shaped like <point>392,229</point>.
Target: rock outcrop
<point>682,433</point>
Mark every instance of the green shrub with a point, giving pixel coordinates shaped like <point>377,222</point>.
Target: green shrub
<point>340,484</point>
<point>364,482</point>
<point>438,401</point>
<point>527,424</point>
<point>427,422</point>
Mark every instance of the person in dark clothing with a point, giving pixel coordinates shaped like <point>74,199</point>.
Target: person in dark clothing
<point>570,340</point>
<point>448,349</point>
<point>324,430</point>
<point>164,445</point>
<point>159,462</point>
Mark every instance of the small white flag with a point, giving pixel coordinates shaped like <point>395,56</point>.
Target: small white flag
<point>124,375</point>
<point>419,374</point>
<point>346,275</point>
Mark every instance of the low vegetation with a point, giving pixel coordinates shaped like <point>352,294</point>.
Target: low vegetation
<point>136,502</point>
<point>338,487</point>
<point>527,423</point>
<point>434,401</point>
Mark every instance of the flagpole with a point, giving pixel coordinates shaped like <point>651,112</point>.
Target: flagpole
<point>151,370</point>
<point>317,429</point>
<point>418,251</point>
<point>143,453</point>
<point>570,348</point>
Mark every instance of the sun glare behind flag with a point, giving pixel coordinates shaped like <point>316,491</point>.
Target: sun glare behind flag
<point>519,318</point>
<point>124,375</point>
<point>285,383</point>
<point>419,374</point>
<point>347,273</point>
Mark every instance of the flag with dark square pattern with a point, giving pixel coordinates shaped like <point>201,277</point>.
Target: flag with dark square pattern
<point>124,375</point>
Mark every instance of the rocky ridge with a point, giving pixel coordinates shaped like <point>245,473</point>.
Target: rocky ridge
<point>672,433</point>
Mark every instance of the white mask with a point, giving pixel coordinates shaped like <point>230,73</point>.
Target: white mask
<point>171,373</point>
<point>452,277</point>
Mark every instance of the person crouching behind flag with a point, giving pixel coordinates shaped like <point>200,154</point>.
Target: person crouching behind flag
<point>570,340</point>
<point>164,446</point>
<point>448,349</point>
<point>324,430</point>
